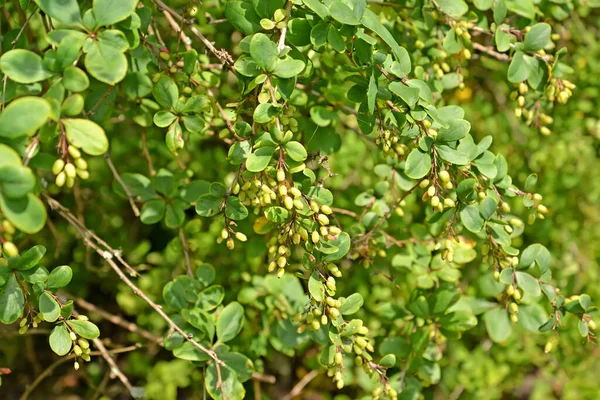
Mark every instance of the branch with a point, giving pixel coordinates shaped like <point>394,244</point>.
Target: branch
<point>113,365</point>
<point>288,13</point>
<point>297,389</point>
<point>186,252</point>
<point>108,257</point>
<point>63,360</point>
<point>134,207</point>
<point>491,52</point>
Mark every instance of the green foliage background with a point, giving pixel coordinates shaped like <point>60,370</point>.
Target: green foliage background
<point>122,100</point>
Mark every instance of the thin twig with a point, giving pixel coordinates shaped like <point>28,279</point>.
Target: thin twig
<point>288,13</point>
<point>117,320</point>
<point>146,154</point>
<point>297,389</point>
<point>134,207</point>
<point>65,359</point>
<point>491,52</point>
<point>113,365</point>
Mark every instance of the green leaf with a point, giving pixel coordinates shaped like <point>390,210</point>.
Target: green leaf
<point>316,287</point>
<point>342,13</point>
<point>190,352</point>
<point>277,214</point>
<point>538,37</point>
<point>454,8</point>
<point>230,384</point>
<point>239,152</point>
<point>264,52</point>
<point>289,67</point>
<point>12,301</point>
<point>317,7</point>
<point>105,60</point>
<point>181,292</point>
<point>85,329</point>
<point>351,304</point>
<point>59,277</point>
<point>242,15</point>
<point>205,274</point>
<point>259,160</point>
<point>450,155</point>
<point>209,205</point>
<point>371,21</point>
<point>230,322</point>
<point>30,258</point>
<point>471,219</point>
<point>342,243</point>
<point>75,80</point>
<point>12,123</point>
<point>16,182</point>
<point>264,113</point>
<point>417,164</point>
<point>27,214</point>
<point>210,297</point>
<point>201,320</point>
<point>66,11</point>
<point>525,8</point>
<point>60,341</point>
<point>153,211</point>
<point>528,283</point>
<point>24,66</point>
<point>87,135</point>
<point>163,118</point>
<point>49,307</point>
<point>108,12</point>
<point>388,361</point>
<point>235,210</point>
<point>410,95</point>
<point>456,130</point>
<point>372,93</point>
<point>519,68</point>
<point>497,324</point>
<point>247,67</point>
<point>487,207</point>
<point>295,150</point>
<point>336,41</point>
<point>165,92</point>
<point>502,39</point>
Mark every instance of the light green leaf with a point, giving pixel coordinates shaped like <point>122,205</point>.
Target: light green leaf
<point>30,258</point>
<point>471,219</point>
<point>289,67</point>
<point>259,160</point>
<point>12,123</point>
<point>230,322</point>
<point>497,324</point>
<point>49,307</point>
<point>12,301</point>
<point>24,66</point>
<point>85,329</point>
<point>87,135</point>
<point>456,130</point>
<point>105,62</point>
<point>59,277</point>
<point>371,21</point>
<point>60,341</point>
<point>108,12</point>
<point>165,92</point>
<point>352,304</point>
<point>296,151</point>
<point>66,11</point>
<point>342,13</point>
<point>235,210</point>
<point>538,37</point>
<point>264,52</point>
<point>417,164</point>
<point>27,213</point>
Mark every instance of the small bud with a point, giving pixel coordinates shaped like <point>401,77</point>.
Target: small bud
<point>514,318</point>
<point>435,201</point>
<point>444,176</point>
<point>61,178</point>
<point>73,336</point>
<point>280,272</point>
<point>516,222</point>
<point>70,170</point>
<point>81,163</point>
<point>448,202</point>
<point>298,204</point>
<point>76,365</point>
<point>431,191</point>
<point>288,202</point>
<point>542,208</point>
<point>281,262</point>
<point>230,244</point>
<point>77,350</point>
<point>295,192</point>
<point>315,237</point>
<point>323,220</point>
<point>338,358</point>
<point>424,183</point>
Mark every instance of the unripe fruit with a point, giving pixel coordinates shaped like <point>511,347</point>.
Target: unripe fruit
<point>592,325</point>
<point>241,237</point>
<point>81,163</point>
<point>448,202</point>
<point>58,166</point>
<point>363,330</point>
<point>548,347</point>
<point>70,182</point>
<point>435,201</point>
<point>74,151</point>
<point>325,209</point>
<point>86,357</point>
<point>314,206</point>
<point>516,222</point>
<point>338,358</point>
<point>61,178</point>
<point>230,244</point>
<point>280,175</point>
<point>517,295</point>
<point>298,204</point>
<point>361,342</point>
<point>334,313</point>
<point>542,208</point>
<point>424,183</point>
<point>334,230</point>
<point>281,262</point>
<point>323,220</point>
<point>358,361</point>
<point>331,283</point>
<point>70,170</point>
<point>340,384</point>
<point>431,191</point>
<point>288,202</point>
<point>545,131</point>
<point>295,192</point>
<point>444,176</point>
<point>514,318</point>
<point>10,249</point>
<point>83,343</point>
<point>513,308</point>
<point>73,336</point>
<point>496,276</point>
<point>83,174</point>
<point>77,350</point>
<point>521,101</point>
<point>324,319</point>
<point>315,237</point>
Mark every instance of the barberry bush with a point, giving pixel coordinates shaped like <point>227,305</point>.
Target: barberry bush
<point>288,199</point>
